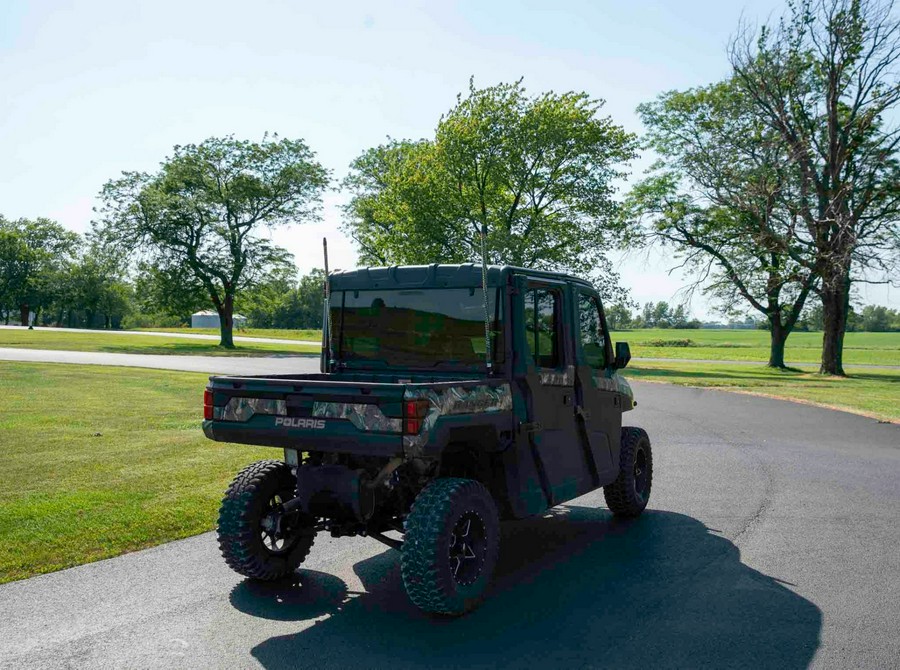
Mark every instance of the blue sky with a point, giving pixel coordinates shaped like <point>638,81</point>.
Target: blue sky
<point>93,88</point>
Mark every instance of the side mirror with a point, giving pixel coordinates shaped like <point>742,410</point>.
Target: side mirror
<point>623,355</point>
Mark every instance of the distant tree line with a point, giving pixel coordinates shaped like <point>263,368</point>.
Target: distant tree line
<point>52,276</point>
<point>870,319</point>
<point>652,315</point>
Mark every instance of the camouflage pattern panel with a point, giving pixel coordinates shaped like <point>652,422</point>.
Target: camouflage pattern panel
<point>243,409</point>
<point>557,377</point>
<point>364,416</point>
<point>450,401</point>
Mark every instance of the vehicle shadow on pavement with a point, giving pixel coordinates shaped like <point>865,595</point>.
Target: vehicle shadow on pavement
<point>573,588</point>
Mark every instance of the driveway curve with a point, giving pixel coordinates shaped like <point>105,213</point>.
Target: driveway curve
<point>771,541</point>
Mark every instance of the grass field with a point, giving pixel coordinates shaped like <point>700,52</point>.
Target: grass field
<point>753,345</point>
<point>97,340</point>
<point>96,461</point>
<point>870,391</point>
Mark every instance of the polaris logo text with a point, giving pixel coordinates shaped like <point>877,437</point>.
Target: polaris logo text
<point>289,422</point>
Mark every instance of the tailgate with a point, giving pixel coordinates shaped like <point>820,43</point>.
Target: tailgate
<point>321,415</point>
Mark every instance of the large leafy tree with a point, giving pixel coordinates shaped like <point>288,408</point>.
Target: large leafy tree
<point>208,209</point>
<point>536,172</point>
<point>825,79</point>
<point>720,194</point>
<point>32,253</point>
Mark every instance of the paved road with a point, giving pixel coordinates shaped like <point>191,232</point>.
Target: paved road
<point>772,541</point>
<point>189,336</point>
<point>226,365</point>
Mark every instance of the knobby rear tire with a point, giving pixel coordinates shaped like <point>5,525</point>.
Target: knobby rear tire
<point>246,503</point>
<point>440,512</point>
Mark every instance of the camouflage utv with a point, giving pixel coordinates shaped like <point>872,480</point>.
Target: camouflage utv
<point>446,403</point>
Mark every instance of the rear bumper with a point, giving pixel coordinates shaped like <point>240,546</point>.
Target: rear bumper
<point>336,436</point>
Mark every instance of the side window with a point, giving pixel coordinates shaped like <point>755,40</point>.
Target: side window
<point>593,342</point>
<point>542,308</point>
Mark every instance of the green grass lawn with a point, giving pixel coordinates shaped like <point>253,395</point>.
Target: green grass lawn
<point>96,461</point>
<point>871,391</point>
<point>97,340</point>
<point>753,345</point>
<point>275,333</point>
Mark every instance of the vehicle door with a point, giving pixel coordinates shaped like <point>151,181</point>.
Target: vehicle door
<point>598,403</point>
<point>550,375</point>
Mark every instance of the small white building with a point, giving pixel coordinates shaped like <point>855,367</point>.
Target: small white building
<point>210,319</point>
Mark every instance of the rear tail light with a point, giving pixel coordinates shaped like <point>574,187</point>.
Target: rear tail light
<point>208,405</point>
<point>414,412</point>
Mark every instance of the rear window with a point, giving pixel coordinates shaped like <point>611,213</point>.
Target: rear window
<point>437,327</point>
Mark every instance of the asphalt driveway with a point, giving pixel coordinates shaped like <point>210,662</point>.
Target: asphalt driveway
<point>225,365</point>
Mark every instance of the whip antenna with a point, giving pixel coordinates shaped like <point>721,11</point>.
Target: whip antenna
<point>327,306</point>
<point>487,316</point>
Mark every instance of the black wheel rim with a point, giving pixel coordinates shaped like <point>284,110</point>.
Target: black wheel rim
<point>641,474</point>
<point>273,528</point>
<point>468,546</point>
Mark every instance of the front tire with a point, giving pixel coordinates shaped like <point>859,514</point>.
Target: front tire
<point>451,547</point>
<point>254,539</point>
<point>628,495</point>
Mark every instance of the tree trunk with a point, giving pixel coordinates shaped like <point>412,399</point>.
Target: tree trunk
<point>778,338</point>
<point>226,322</point>
<point>24,311</point>
<point>835,309</point>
